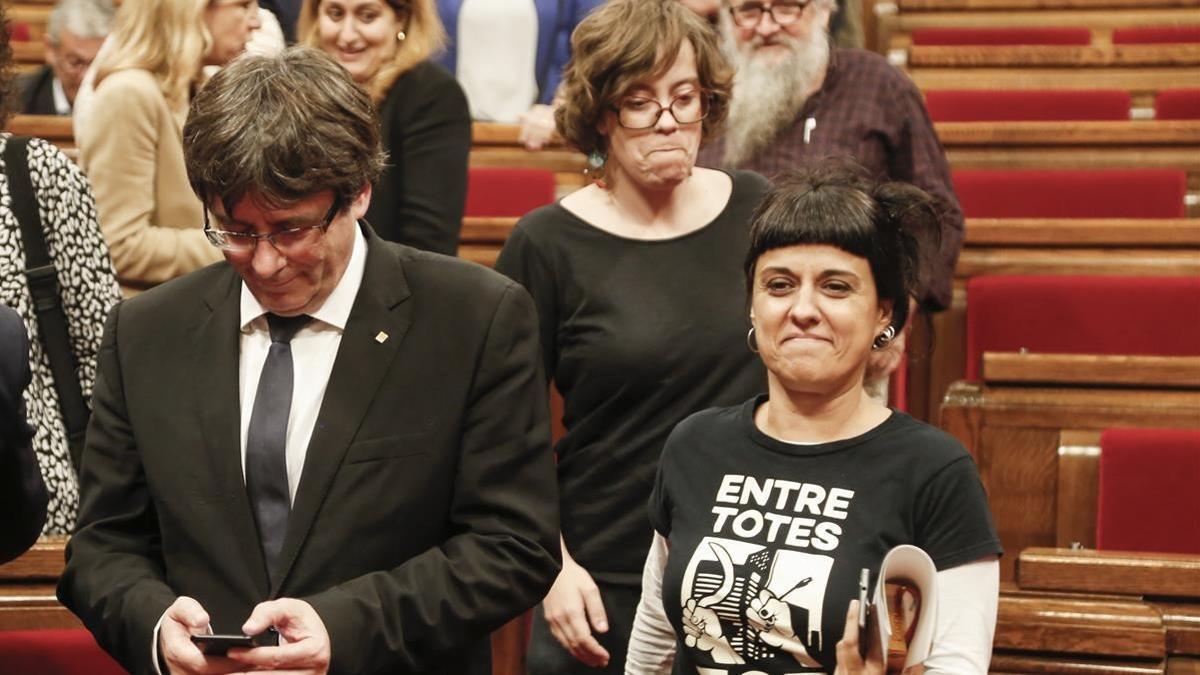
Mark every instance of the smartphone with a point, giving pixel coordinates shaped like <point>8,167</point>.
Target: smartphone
<point>218,645</point>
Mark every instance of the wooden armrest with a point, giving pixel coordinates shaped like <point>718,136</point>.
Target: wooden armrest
<point>1130,232</point>
<point>50,127</point>
<point>1053,55</point>
<point>492,133</point>
<point>1087,626</point>
<point>44,560</point>
<point>1121,132</point>
<point>1141,371</point>
<point>477,229</point>
<point>1157,574</point>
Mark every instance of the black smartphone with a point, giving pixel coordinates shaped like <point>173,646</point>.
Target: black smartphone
<point>218,645</point>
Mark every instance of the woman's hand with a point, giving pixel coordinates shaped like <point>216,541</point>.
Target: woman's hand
<point>849,656</point>
<point>574,610</point>
<point>537,126</point>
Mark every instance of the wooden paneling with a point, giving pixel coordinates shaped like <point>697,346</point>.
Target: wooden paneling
<point>975,5</point>
<point>1094,232</point>
<point>1087,627</point>
<point>918,57</point>
<point>42,562</point>
<point>1014,435</point>
<point>1158,574</point>
<point>1090,369</point>
<point>1078,494</point>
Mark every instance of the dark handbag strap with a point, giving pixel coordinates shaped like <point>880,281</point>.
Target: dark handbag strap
<point>43,286</point>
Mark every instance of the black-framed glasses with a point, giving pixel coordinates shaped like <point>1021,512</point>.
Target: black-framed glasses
<point>639,112</point>
<point>783,12</point>
<point>285,241</point>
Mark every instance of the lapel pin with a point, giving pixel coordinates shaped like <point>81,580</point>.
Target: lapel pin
<point>381,337</point>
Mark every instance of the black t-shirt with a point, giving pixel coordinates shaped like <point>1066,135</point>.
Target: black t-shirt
<point>637,335</point>
<point>767,538</point>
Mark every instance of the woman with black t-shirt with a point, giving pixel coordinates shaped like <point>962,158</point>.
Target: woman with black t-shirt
<point>766,511</point>
<point>638,284</point>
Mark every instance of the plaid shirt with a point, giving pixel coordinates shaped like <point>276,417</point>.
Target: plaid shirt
<point>872,112</point>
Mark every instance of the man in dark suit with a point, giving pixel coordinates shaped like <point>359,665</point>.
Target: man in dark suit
<point>74,33</point>
<point>22,493</point>
<point>337,436</point>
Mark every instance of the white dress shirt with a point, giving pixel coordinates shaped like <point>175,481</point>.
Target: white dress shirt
<point>314,349</point>
<point>497,57</point>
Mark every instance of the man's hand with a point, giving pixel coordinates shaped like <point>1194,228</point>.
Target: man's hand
<point>849,654</point>
<point>537,126</point>
<point>304,644</point>
<point>183,619</point>
<point>572,604</point>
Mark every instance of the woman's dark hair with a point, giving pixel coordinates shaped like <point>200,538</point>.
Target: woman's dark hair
<point>833,203</point>
<point>6,69</point>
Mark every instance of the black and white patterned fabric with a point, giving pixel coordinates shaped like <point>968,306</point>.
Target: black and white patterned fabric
<point>88,288</point>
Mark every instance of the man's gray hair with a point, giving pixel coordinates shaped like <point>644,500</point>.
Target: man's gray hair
<point>88,19</point>
<point>281,128</point>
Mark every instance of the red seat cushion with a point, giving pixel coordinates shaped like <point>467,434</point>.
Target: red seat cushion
<point>507,192</point>
<point>1149,499</point>
<point>1177,104</point>
<point>18,31</point>
<point>1143,35</point>
<point>1155,316</point>
<point>1001,36</point>
<point>981,105</point>
<point>1109,193</point>
<point>54,652</point>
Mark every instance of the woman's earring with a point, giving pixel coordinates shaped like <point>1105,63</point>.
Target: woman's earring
<point>884,338</point>
<point>751,342</point>
<point>400,36</point>
<point>595,166</point>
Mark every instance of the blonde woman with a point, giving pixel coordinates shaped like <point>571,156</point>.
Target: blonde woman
<point>426,125</point>
<point>130,144</point>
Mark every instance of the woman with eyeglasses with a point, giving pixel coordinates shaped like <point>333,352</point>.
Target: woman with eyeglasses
<point>636,279</point>
<point>386,46</point>
<point>129,143</point>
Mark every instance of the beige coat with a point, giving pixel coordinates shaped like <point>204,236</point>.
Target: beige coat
<point>131,148</point>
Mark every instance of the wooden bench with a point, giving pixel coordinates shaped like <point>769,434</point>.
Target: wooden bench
<point>1014,429</point>
<point>57,129</point>
<point>1123,247</point>
<point>496,145</point>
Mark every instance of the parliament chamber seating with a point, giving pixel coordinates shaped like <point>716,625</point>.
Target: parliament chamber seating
<point>1025,105</point>
<point>1110,193</point>
<point>1022,35</point>
<point>1149,491</point>
<point>1177,104</point>
<point>496,198</point>
<point>1146,35</point>
<point>70,651</point>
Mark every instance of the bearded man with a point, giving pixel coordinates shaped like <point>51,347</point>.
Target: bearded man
<point>795,98</point>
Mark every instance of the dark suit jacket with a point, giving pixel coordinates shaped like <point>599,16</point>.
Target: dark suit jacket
<point>37,92</point>
<point>22,493</point>
<point>426,515</point>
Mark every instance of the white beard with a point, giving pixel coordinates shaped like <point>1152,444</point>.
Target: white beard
<point>767,97</point>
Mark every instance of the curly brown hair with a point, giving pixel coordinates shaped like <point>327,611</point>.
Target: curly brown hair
<point>623,43</point>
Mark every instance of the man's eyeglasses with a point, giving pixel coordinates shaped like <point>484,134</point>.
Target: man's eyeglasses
<point>287,241</point>
<point>783,12</point>
<point>639,112</point>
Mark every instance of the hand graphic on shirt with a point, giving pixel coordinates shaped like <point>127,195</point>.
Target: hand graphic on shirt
<point>701,626</point>
<point>772,618</point>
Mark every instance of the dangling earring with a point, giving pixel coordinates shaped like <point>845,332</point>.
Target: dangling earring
<point>595,166</point>
<point>884,338</point>
<point>751,342</point>
<point>400,36</point>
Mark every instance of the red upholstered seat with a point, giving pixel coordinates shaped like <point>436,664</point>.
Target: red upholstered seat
<point>54,652</point>
<point>1149,499</point>
<point>507,192</point>
<point>1109,193</point>
<point>18,31</point>
<point>1177,104</point>
<point>1001,36</point>
<point>982,105</point>
<point>1152,316</point>
<point>1143,35</point>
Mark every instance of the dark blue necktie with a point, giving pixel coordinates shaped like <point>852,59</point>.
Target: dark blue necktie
<point>266,440</point>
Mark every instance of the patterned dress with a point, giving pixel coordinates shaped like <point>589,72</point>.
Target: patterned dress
<point>88,288</point>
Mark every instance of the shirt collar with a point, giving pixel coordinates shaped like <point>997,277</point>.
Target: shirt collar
<point>335,311</point>
<point>61,105</point>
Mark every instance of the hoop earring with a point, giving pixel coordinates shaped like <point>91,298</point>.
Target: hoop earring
<point>400,36</point>
<point>884,338</point>
<point>751,342</point>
